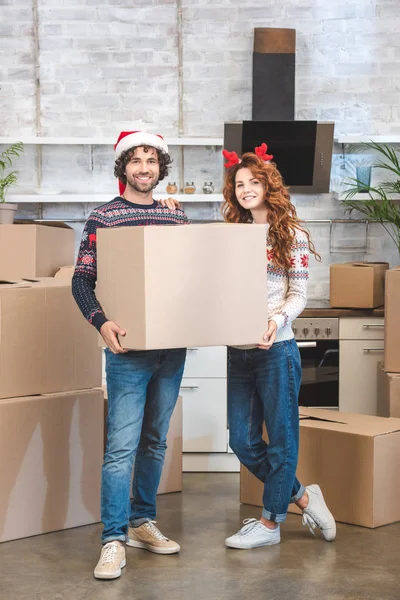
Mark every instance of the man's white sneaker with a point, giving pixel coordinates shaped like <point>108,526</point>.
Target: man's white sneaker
<point>253,535</point>
<point>317,514</point>
<point>111,561</point>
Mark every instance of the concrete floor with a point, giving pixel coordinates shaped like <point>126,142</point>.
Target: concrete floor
<point>361,564</point>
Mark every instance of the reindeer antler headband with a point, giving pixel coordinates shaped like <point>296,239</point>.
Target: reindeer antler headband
<point>233,159</point>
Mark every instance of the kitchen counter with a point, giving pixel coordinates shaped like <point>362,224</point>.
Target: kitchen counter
<point>321,308</point>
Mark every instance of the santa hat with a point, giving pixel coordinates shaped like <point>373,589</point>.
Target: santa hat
<point>132,139</point>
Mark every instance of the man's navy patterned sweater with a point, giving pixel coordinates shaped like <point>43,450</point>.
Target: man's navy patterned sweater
<point>117,213</point>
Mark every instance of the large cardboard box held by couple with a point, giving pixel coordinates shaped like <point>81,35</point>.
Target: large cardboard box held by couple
<point>32,250</point>
<point>355,460</point>
<point>388,393</point>
<point>51,452</point>
<point>171,477</point>
<point>184,285</point>
<point>392,321</point>
<point>357,285</point>
<point>45,343</point>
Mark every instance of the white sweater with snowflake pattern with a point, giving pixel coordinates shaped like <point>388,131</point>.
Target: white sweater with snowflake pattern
<point>287,288</point>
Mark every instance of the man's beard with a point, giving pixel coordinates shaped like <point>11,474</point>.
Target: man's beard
<point>141,187</point>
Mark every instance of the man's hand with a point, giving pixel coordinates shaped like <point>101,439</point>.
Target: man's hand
<point>269,336</point>
<point>109,332</point>
<point>170,203</point>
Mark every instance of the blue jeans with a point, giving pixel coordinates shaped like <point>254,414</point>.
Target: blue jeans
<point>263,386</point>
<point>143,388</point>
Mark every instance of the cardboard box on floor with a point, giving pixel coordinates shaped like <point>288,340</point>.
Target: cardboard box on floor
<point>388,393</point>
<point>33,250</point>
<point>45,343</point>
<point>171,478</point>
<point>184,285</point>
<point>354,458</point>
<point>51,452</point>
<point>392,321</point>
<point>357,285</point>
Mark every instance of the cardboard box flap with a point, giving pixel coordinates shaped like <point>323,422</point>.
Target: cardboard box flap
<point>37,282</point>
<point>4,285</point>
<point>46,223</point>
<point>49,282</point>
<point>368,264</point>
<point>66,394</point>
<point>364,425</point>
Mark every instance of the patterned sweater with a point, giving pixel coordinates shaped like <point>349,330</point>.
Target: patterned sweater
<point>287,289</point>
<point>117,213</point>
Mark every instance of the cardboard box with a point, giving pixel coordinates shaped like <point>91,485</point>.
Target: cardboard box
<point>171,478</point>
<point>355,460</point>
<point>51,451</point>
<point>392,321</point>
<point>65,273</point>
<point>357,285</point>
<point>388,393</point>
<point>184,285</point>
<point>31,250</point>
<point>45,343</point>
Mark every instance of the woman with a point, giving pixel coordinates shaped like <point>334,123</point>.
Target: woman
<point>264,379</point>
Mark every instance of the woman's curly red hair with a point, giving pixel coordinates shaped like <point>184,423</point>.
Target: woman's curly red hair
<point>281,216</point>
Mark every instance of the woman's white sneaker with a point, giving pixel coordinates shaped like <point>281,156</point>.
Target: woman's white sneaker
<point>317,514</point>
<point>111,561</point>
<point>253,535</point>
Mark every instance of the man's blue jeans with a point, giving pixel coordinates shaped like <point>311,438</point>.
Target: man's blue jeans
<point>143,388</point>
<point>263,386</point>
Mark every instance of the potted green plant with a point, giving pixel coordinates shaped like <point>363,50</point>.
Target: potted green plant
<point>8,210</point>
<point>379,205</point>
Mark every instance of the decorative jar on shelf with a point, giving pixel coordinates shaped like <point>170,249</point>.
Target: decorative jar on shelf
<point>171,188</point>
<point>208,188</point>
<point>190,188</point>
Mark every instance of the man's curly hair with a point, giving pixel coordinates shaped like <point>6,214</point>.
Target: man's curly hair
<point>119,168</point>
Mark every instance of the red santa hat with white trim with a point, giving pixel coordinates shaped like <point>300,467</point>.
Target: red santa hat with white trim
<point>132,139</point>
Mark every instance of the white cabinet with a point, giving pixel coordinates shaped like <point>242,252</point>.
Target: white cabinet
<point>204,393</point>
<point>361,347</point>
<point>204,414</point>
<point>206,362</point>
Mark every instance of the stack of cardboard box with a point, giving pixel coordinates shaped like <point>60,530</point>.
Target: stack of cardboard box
<point>389,371</point>
<point>51,403</point>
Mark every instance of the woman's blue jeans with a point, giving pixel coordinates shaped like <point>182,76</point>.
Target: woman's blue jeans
<point>263,386</point>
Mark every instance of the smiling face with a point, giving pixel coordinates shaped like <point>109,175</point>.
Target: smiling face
<point>143,170</point>
<point>249,190</point>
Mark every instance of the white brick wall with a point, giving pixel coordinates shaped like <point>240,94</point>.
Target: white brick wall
<point>105,63</point>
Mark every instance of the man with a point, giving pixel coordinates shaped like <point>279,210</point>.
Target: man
<point>142,386</point>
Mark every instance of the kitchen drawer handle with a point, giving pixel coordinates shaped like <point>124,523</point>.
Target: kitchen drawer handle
<point>189,387</point>
<point>373,349</point>
<point>192,349</point>
<point>306,344</point>
<point>366,326</point>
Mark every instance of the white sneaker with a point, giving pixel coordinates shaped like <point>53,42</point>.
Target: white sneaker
<point>253,535</point>
<point>317,514</point>
<point>111,561</point>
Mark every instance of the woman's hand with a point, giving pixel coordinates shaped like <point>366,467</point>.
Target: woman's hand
<point>269,336</point>
<point>170,203</point>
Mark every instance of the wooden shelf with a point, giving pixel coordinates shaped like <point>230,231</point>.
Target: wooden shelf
<point>102,198</point>
<point>341,196</point>
<point>105,141</point>
<point>364,139</point>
